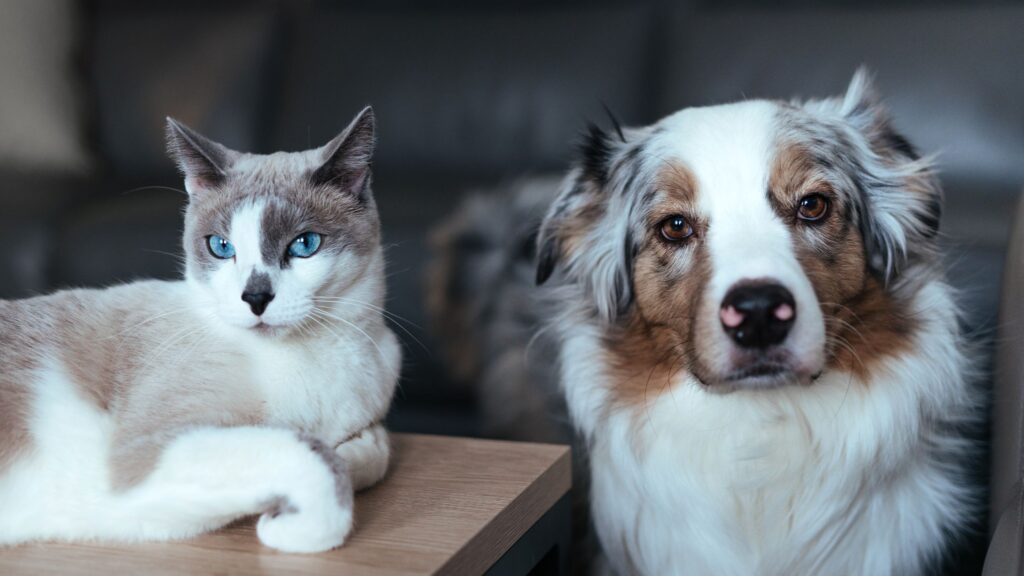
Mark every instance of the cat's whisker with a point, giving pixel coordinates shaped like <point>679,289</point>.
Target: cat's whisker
<point>181,335</point>
<point>154,187</point>
<point>368,306</point>
<point>325,324</point>
<point>321,314</point>
<point>394,318</point>
<point>178,257</point>
<point>147,321</point>
<point>396,272</point>
<point>168,345</point>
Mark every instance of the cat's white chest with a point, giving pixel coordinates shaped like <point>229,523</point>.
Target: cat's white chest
<point>331,391</point>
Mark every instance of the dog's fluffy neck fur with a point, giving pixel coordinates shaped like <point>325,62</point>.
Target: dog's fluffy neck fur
<point>842,477</point>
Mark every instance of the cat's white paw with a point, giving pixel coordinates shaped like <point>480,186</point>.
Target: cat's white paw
<point>310,530</point>
<point>317,514</point>
<point>366,454</point>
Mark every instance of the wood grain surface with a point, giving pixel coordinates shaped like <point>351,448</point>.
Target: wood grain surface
<point>447,506</point>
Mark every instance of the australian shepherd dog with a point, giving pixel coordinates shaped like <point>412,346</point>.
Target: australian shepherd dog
<point>755,341</point>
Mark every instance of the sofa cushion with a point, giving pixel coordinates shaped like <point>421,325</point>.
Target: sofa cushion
<point>950,75</point>
<point>483,90</point>
<point>125,233</point>
<point>209,65</point>
<point>31,205</point>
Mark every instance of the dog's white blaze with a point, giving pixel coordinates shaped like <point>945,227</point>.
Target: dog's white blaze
<point>729,149</point>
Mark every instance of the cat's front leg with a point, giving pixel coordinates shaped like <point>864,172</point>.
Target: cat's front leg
<point>366,455</point>
<point>208,477</point>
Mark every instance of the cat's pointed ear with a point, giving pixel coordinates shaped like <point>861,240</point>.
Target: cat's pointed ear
<point>202,161</point>
<point>348,158</point>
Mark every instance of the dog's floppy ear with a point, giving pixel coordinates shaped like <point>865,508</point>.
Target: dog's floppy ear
<point>900,197</point>
<point>583,233</point>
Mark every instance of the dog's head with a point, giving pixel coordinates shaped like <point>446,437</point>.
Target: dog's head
<point>749,239</point>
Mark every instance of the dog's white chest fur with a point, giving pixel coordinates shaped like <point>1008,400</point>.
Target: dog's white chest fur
<point>835,478</point>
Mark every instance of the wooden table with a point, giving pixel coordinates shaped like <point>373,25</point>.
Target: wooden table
<point>448,506</point>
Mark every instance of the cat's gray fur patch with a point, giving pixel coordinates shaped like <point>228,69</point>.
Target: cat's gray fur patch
<point>279,505</point>
<point>337,466</point>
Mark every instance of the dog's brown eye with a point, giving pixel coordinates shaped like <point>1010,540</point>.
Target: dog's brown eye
<point>676,229</point>
<point>813,207</point>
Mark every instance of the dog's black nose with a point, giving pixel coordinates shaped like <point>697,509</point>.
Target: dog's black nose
<point>758,314</point>
<point>257,301</point>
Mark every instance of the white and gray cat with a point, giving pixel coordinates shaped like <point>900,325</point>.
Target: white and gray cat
<point>160,410</point>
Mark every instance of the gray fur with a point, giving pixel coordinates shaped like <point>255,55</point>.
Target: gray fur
<point>343,483</point>
<point>895,195</point>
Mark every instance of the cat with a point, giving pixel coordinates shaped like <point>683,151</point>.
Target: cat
<point>160,410</point>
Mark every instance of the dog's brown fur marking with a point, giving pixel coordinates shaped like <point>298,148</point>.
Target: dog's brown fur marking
<point>868,328</point>
<point>650,347</point>
<point>863,321</point>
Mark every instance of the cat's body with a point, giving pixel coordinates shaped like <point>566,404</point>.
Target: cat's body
<point>160,410</point>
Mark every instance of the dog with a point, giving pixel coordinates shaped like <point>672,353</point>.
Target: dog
<point>755,341</point>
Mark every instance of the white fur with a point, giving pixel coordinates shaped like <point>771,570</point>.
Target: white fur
<point>834,477</point>
<point>335,387</point>
<point>204,479</point>
<point>227,283</point>
<point>366,455</point>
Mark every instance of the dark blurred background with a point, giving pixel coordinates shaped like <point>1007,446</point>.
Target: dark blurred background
<point>468,95</point>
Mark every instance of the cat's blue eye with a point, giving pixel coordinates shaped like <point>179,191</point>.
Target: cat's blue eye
<point>220,247</point>
<point>305,245</point>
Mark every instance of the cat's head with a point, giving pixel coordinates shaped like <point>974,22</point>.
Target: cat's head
<point>272,239</point>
